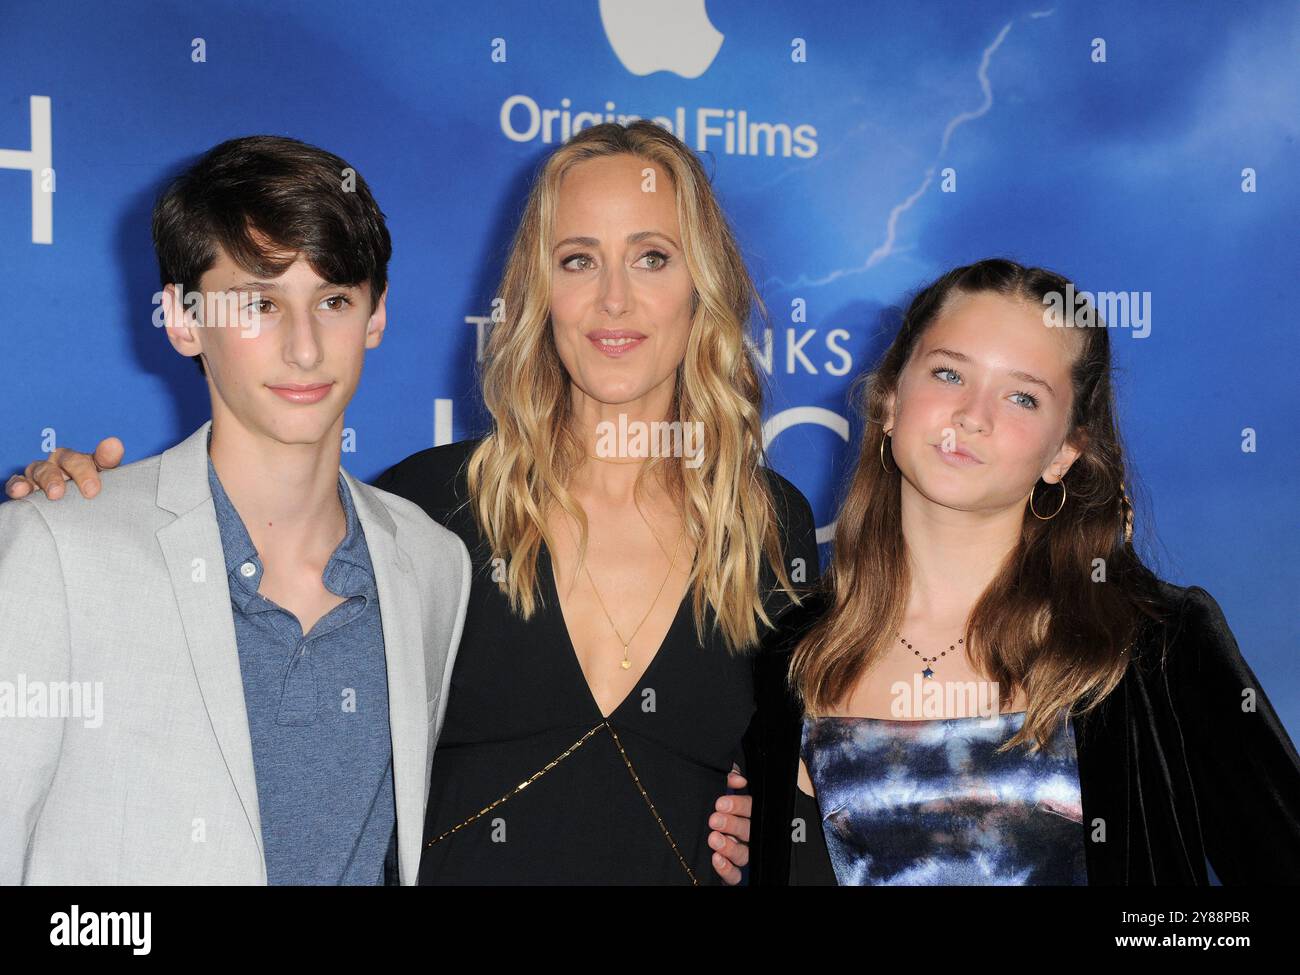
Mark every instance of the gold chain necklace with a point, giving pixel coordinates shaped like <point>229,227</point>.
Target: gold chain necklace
<point>672,561</point>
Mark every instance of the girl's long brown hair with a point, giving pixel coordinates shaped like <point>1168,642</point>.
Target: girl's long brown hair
<point>1044,624</point>
<point>524,463</point>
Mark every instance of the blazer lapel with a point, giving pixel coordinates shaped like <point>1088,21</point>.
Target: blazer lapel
<point>191,546</point>
<point>408,716</point>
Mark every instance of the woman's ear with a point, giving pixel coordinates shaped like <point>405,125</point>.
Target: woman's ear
<point>889,411</point>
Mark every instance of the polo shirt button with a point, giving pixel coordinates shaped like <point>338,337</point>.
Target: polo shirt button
<point>248,569</point>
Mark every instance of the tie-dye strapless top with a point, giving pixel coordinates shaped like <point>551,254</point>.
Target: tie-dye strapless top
<point>929,803</point>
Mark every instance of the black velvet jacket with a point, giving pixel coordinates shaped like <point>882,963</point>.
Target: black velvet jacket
<point>1171,761</point>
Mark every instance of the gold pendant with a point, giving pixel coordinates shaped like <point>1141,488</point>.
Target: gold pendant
<point>627,664</point>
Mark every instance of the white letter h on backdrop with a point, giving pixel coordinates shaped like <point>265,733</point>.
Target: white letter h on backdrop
<point>39,160</point>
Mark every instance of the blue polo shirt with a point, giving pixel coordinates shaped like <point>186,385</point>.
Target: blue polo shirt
<point>317,712</point>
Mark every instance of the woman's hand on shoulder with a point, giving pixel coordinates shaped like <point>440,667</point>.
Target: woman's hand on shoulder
<point>63,464</point>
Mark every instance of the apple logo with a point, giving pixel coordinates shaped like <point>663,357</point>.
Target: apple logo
<point>671,35</point>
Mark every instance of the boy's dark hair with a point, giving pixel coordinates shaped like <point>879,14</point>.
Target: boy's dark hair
<point>299,199</point>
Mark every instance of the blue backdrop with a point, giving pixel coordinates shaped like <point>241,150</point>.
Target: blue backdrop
<point>1149,151</point>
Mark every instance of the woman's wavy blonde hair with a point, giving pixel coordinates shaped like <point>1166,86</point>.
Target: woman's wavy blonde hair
<point>524,463</point>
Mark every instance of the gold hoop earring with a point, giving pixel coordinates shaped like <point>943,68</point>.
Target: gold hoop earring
<point>1058,507</point>
<point>883,438</point>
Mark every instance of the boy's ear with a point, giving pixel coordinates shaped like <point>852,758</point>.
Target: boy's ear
<point>181,323</point>
<point>378,322</point>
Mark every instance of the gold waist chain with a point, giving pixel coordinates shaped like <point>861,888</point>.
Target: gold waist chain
<point>556,761</point>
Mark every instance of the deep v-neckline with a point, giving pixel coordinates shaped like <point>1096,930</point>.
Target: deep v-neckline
<point>571,650</point>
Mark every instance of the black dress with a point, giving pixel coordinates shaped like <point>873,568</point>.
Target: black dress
<point>623,800</point>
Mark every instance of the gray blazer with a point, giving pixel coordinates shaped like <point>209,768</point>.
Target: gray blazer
<point>125,755</point>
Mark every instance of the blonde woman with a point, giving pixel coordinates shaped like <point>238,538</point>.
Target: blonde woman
<point>993,688</point>
<point>604,680</point>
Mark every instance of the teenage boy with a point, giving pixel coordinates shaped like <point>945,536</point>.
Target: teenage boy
<point>231,668</point>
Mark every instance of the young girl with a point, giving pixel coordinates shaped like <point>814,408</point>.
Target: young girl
<point>992,688</point>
